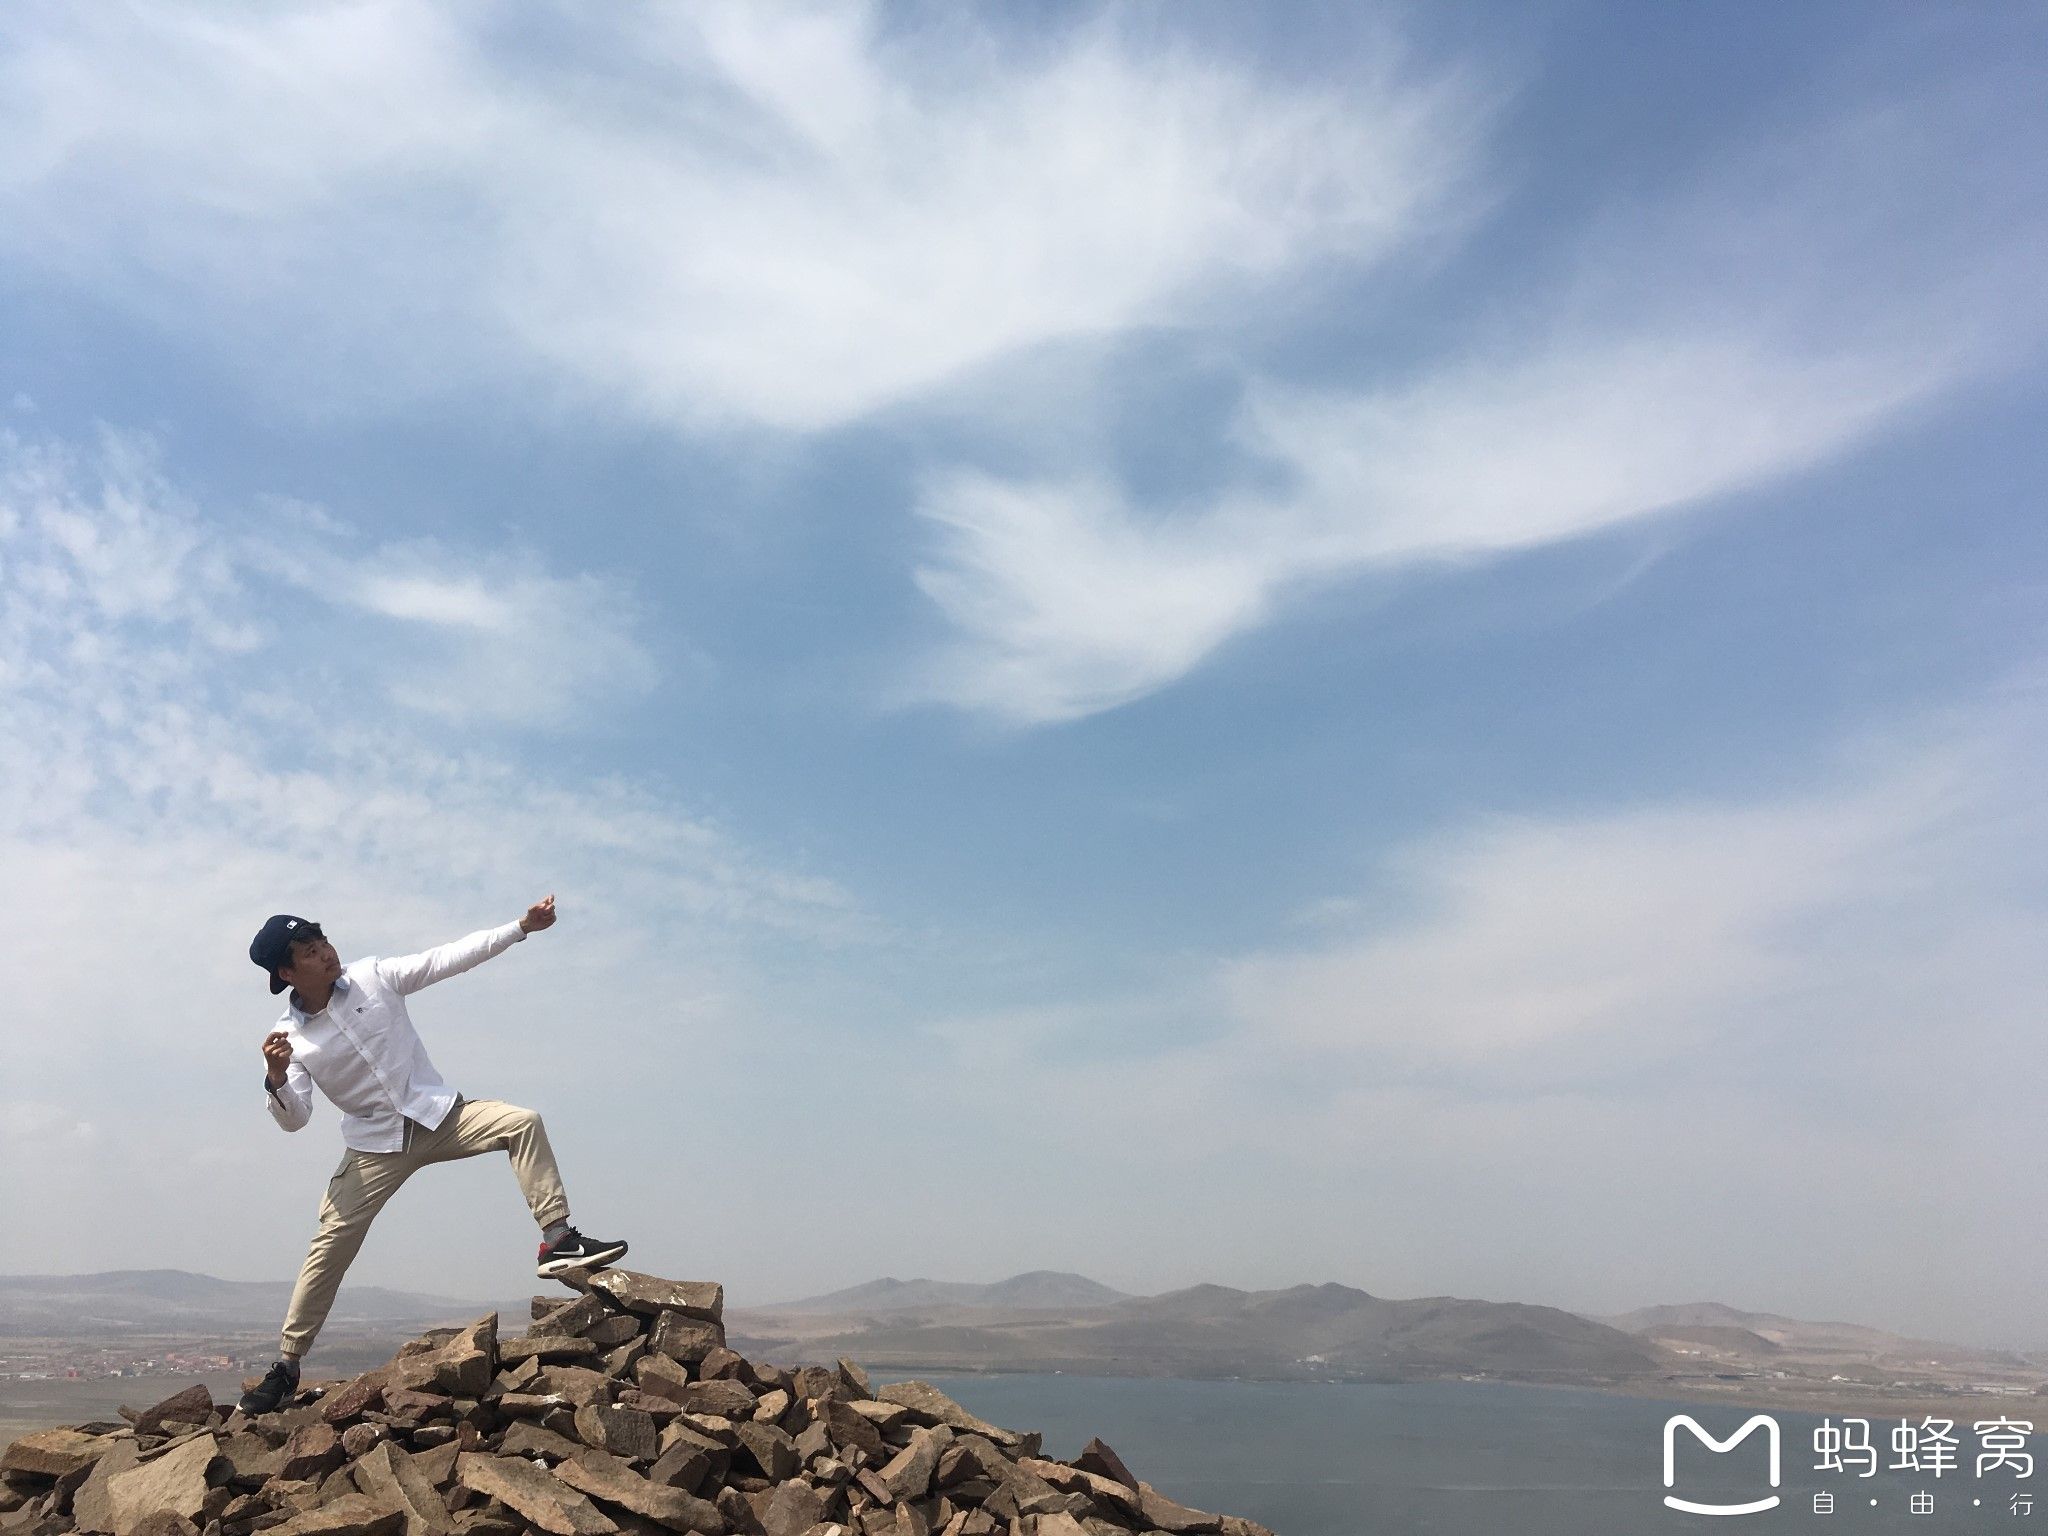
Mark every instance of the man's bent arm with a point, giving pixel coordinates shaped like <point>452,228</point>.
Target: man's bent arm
<point>408,973</point>
<point>291,1102</point>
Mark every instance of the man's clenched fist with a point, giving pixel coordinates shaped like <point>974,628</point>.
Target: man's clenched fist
<point>540,915</point>
<point>277,1055</point>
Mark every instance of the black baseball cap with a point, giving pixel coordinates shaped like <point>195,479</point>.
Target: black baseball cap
<point>272,945</point>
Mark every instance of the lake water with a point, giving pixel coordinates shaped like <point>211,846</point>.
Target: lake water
<point>1481,1458</point>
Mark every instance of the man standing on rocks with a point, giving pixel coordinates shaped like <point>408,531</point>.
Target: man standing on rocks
<point>346,1030</point>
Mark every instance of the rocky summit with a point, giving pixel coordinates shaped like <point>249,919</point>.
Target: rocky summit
<point>619,1411</point>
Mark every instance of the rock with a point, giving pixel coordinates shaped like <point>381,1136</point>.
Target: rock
<point>526,1438</point>
<point>614,1330</point>
<point>788,1509</point>
<point>927,1402</point>
<point>683,1337</point>
<point>649,1294</point>
<point>817,1381</point>
<point>1097,1457</point>
<point>573,1317</point>
<point>191,1406</point>
<point>92,1506</point>
<point>575,1384</point>
<point>538,1496</point>
<point>884,1416</point>
<point>175,1481</point>
<point>726,1399</point>
<point>1102,1490</point>
<point>908,1474</point>
<point>351,1514</point>
<point>660,1376</point>
<point>855,1378</point>
<point>311,1453</point>
<point>251,1459</point>
<point>626,1432</point>
<point>54,1452</point>
<point>1029,1493</point>
<point>850,1429</point>
<point>719,1363</point>
<point>678,1432</point>
<point>359,1396</point>
<point>1161,1512</point>
<point>559,1346</point>
<point>396,1481</point>
<point>412,1407</point>
<point>608,1478</point>
<point>771,1448</point>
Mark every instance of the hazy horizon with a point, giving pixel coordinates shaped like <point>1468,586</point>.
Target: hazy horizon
<point>1397,645</point>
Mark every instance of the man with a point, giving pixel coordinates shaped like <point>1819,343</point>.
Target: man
<point>346,1030</point>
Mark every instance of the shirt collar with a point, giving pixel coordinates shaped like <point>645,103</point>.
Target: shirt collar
<point>291,999</point>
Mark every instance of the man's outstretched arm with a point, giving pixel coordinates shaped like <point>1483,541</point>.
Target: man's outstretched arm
<point>287,1086</point>
<point>408,973</point>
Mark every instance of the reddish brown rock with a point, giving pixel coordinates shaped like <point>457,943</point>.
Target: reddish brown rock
<point>787,1509</point>
<point>359,1396</point>
<point>54,1452</point>
<point>396,1481</point>
<point>175,1481</point>
<point>534,1494</point>
<point>650,1294</point>
<point>683,1337</point>
<point>191,1406</point>
<point>626,1432</point>
<point>929,1404</point>
<point>1164,1514</point>
<point>92,1506</point>
<point>349,1514</point>
<point>1097,1457</point>
<point>313,1451</point>
<point>615,1482</point>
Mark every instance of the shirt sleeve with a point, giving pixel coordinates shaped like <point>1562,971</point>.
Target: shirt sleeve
<point>408,973</point>
<point>291,1102</point>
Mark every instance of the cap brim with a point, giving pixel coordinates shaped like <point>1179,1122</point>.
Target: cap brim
<point>276,986</point>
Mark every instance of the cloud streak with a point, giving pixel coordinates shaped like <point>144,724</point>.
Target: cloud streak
<point>1765,323</point>
<point>741,221</point>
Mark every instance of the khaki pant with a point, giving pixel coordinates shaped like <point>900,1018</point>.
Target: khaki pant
<point>366,1180</point>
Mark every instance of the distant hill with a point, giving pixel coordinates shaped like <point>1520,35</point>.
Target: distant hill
<point>1201,1331</point>
<point>1713,1325</point>
<point>173,1300</point>
<point>1038,1289</point>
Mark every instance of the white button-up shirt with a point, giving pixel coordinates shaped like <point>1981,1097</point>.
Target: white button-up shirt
<point>362,1051</point>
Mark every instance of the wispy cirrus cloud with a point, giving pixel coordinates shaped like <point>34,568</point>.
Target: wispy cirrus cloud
<point>788,216</point>
<point>1727,338</point>
<point>172,719</point>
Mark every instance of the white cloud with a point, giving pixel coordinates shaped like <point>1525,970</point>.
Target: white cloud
<point>493,636</point>
<point>735,213</point>
<point>1772,319</point>
<point>150,743</point>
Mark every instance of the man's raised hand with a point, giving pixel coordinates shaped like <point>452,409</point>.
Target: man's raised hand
<point>540,915</point>
<point>277,1055</point>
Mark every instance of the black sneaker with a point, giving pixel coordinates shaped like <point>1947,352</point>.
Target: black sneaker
<point>575,1251</point>
<point>278,1384</point>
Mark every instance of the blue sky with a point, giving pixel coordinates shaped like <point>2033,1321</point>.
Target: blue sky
<point>1401,646</point>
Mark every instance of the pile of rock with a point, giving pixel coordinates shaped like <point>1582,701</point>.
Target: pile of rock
<point>619,1411</point>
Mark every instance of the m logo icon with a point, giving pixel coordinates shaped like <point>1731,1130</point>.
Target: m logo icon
<point>1770,1426</point>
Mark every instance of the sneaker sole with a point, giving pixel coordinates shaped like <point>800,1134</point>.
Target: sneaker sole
<point>597,1260</point>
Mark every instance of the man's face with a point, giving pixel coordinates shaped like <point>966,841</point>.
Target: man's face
<point>313,964</point>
